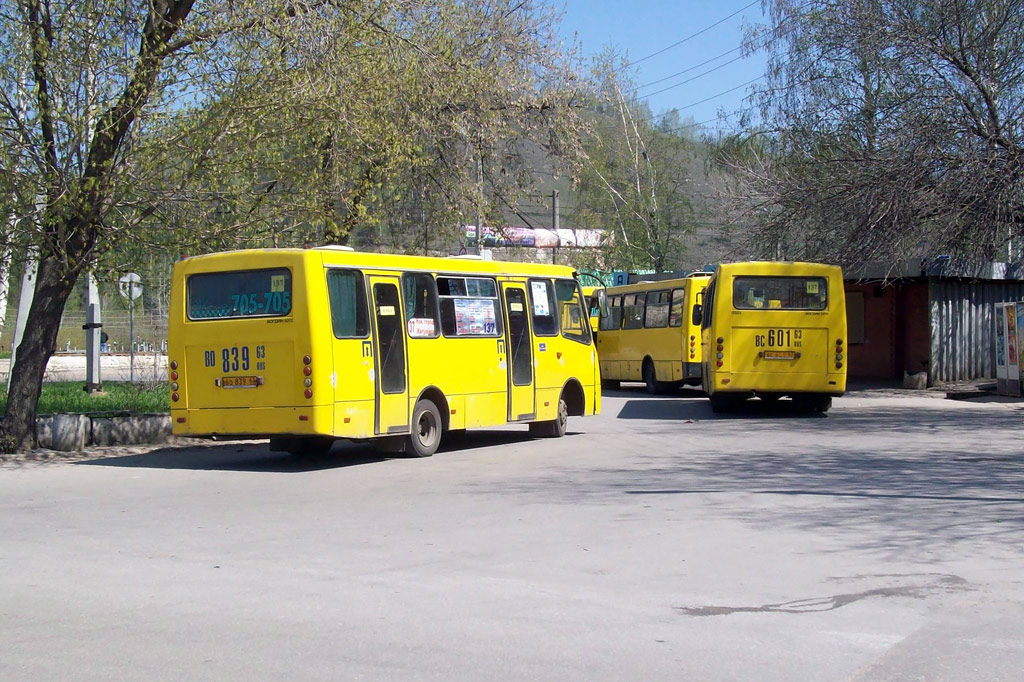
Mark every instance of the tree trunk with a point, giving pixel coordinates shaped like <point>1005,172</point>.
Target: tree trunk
<point>53,287</point>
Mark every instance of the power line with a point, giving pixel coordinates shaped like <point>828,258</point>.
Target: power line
<point>690,79</point>
<point>689,37</point>
<point>687,70</point>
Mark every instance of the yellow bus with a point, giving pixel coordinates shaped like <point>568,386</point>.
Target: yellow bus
<point>306,346</point>
<point>774,329</point>
<point>648,334</point>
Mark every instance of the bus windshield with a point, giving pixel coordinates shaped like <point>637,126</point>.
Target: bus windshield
<point>780,293</point>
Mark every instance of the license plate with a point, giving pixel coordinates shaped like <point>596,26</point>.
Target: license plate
<point>780,355</point>
<point>240,382</point>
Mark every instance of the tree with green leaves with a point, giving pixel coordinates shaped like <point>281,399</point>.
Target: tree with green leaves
<point>637,183</point>
<point>191,126</point>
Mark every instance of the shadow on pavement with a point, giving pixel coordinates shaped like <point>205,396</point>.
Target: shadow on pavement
<point>673,408</point>
<point>257,457</point>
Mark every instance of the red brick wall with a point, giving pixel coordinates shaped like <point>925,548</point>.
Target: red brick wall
<point>875,357</point>
<point>914,339</point>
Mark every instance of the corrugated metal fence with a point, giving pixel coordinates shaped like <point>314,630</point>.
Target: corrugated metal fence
<point>962,331</point>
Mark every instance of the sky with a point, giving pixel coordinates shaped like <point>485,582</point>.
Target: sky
<point>647,33</point>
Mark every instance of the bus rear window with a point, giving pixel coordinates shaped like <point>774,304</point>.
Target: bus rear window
<point>780,293</point>
<point>247,293</point>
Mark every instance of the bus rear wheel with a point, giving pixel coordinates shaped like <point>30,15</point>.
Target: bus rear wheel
<point>554,428</point>
<point>304,446</point>
<point>425,436</point>
<point>814,403</point>
<point>651,379</point>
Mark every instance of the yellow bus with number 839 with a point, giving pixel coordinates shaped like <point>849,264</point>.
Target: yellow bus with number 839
<point>771,330</point>
<point>306,346</point>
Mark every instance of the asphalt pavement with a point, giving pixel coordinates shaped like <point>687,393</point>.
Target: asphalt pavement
<point>657,541</point>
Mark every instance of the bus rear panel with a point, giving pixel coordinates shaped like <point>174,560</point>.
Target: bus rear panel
<point>775,329</point>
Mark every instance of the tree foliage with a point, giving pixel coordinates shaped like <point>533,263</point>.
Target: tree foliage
<point>636,184</point>
<point>891,128</point>
<point>192,126</point>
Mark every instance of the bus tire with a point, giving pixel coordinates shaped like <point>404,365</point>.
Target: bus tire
<point>651,378</point>
<point>554,428</point>
<point>309,446</point>
<point>821,403</point>
<point>425,436</point>
<point>721,403</point>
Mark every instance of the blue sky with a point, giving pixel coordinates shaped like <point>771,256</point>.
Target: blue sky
<point>641,28</point>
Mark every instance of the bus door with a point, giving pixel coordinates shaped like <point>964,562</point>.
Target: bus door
<point>391,414</point>
<point>519,340</point>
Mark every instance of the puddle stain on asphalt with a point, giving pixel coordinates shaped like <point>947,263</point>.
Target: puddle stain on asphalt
<point>932,583</point>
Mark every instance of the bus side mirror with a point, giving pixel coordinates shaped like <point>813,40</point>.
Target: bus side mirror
<point>602,303</point>
<point>698,313</point>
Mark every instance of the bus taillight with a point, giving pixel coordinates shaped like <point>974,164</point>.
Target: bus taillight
<point>173,376</point>
<point>307,371</point>
<point>839,353</point>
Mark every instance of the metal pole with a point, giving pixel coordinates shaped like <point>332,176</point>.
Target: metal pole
<point>131,333</point>
<point>93,339</point>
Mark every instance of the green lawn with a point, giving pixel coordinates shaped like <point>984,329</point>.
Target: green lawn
<point>68,396</point>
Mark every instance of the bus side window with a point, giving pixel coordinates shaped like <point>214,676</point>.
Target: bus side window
<point>571,311</point>
<point>347,293</point>
<point>421,317</point>
<point>633,311</point>
<point>656,315</point>
<point>614,318</point>
<point>675,315</point>
<point>542,300</point>
<point>469,306</point>
<point>709,306</point>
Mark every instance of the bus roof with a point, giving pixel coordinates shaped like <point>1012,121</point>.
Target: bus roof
<point>330,255</point>
<point>767,268</point>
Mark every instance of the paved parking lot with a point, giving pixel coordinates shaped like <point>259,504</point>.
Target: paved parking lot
<point>883,541</point>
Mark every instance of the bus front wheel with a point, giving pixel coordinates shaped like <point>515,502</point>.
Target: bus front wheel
<point>554,428</point>
<point>426,430</point>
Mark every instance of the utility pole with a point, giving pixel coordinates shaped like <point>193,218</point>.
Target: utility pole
<point>93,339</point>
<point>478,231</point>
<point>554,224</point>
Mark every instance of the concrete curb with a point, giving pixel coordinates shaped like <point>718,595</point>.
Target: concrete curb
<point>74,432</point>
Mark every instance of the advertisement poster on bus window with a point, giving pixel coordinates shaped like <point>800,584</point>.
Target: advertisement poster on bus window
<point>540,299</point>
<point>474,316</point>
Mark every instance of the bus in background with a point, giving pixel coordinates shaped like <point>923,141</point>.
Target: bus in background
<point>774,329</point>
<point>648,334</point>
<point>306,346</point>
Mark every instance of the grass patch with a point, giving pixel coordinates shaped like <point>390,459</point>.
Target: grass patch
<point>117,396</point>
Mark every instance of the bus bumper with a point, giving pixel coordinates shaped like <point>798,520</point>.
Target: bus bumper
<point>254,421</point>
<point>754,383</point>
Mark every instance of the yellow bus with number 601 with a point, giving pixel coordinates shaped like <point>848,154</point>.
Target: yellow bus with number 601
<point>306,346</point>
<point>774,329</point>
